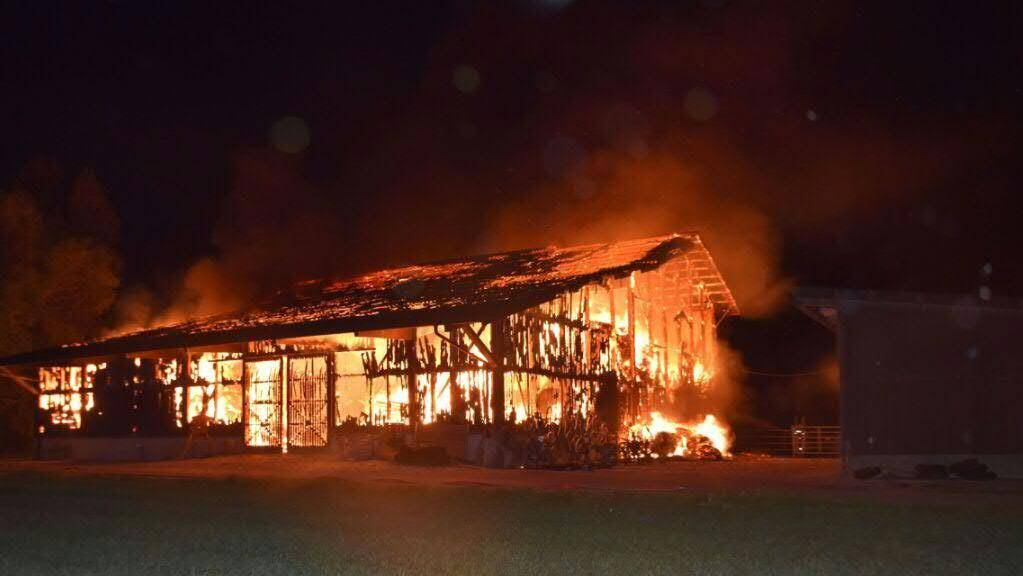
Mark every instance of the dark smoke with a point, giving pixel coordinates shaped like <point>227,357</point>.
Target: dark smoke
<point>701,119</point>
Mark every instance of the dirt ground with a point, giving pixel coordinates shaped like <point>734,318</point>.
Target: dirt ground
<point>740,475</point>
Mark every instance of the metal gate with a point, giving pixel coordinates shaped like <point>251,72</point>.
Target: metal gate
<point>816,440</point>
<point>263,403</point>
<point>797,440</point>
<point>307,401</point>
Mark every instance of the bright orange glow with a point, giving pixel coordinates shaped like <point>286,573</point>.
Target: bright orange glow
<point>66,393</point>
<point>179,398</point>
<point>263,397</point>
<point>700,373</point>
<point>718,434</point>
<point>218,394</point>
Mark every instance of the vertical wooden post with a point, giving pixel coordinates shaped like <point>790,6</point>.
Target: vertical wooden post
<point>186,372</point>
<point>632,325</point>
<point>586,330</point>
<point>412,369</point>
<point>498,351</point>
<point>637,396</point>
<point>331,397</point>
<point>245,402</point>
<point>667,344</point>
<point>432,380</point>
<point>453,389</point>
<point>284,403</point>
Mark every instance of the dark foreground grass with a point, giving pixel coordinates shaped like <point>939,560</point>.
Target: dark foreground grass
<point>68,525</point>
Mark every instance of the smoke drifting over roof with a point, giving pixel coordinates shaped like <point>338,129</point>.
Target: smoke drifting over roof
<point>523,131</point>
<point>791,137</point>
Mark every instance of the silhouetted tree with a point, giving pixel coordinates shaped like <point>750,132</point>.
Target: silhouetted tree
<point>59,271</point>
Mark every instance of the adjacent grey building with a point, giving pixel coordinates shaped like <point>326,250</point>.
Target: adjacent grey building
<point>926,379</point>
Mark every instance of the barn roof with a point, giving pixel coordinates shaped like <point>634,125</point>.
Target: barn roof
<point>461,290</point>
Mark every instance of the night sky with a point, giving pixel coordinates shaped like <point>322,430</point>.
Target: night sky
<point>846,144</point>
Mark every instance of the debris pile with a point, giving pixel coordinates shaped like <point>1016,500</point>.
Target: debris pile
<point>577,444</point>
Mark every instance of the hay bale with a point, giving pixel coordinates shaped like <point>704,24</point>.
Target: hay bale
<point>664,444</point>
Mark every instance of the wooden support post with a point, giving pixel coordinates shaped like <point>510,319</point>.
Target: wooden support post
<point>331,397</point>
<point>614,324</point>
<point>433,397</point>
<point>665,354</point>
<point>245,403</point>
<point>186,377</point>
<point>632,325</point>
<point>457,413</point>
<point>284,383</point>
<point>587,336</point>
<point>636,397</point>
<point>413,385</point>
<point>498,352</point>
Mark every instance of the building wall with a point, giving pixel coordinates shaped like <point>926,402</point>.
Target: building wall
<point>927,379</point>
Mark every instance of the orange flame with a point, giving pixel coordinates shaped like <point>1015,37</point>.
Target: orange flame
<point>718,434</point>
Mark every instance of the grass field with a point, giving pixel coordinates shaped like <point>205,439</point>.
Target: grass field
<point>112,525</point>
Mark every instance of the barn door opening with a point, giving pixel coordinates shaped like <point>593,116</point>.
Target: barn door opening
<point>307,401</point>
<point>263,403</point>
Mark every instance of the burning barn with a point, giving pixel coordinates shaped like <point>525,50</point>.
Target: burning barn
<point>600,351</point>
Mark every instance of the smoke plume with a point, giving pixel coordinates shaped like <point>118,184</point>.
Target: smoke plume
<point>520,132</point>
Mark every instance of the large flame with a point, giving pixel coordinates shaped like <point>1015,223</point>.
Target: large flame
<point>217,392</point>
<point>263,403</point>
<point>717,433</point>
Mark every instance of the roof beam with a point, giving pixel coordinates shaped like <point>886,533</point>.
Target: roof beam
<point>24,382</point>
<point>477,341</point>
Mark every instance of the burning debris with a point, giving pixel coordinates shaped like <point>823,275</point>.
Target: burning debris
<point>663,438</point>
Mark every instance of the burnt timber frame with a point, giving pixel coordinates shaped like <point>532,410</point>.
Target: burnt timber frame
<point>499,310</point>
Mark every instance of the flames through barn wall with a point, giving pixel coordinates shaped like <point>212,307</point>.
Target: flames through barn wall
<point>614,341</point>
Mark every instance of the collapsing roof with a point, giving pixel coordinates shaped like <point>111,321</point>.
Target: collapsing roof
<point>468,289</point>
